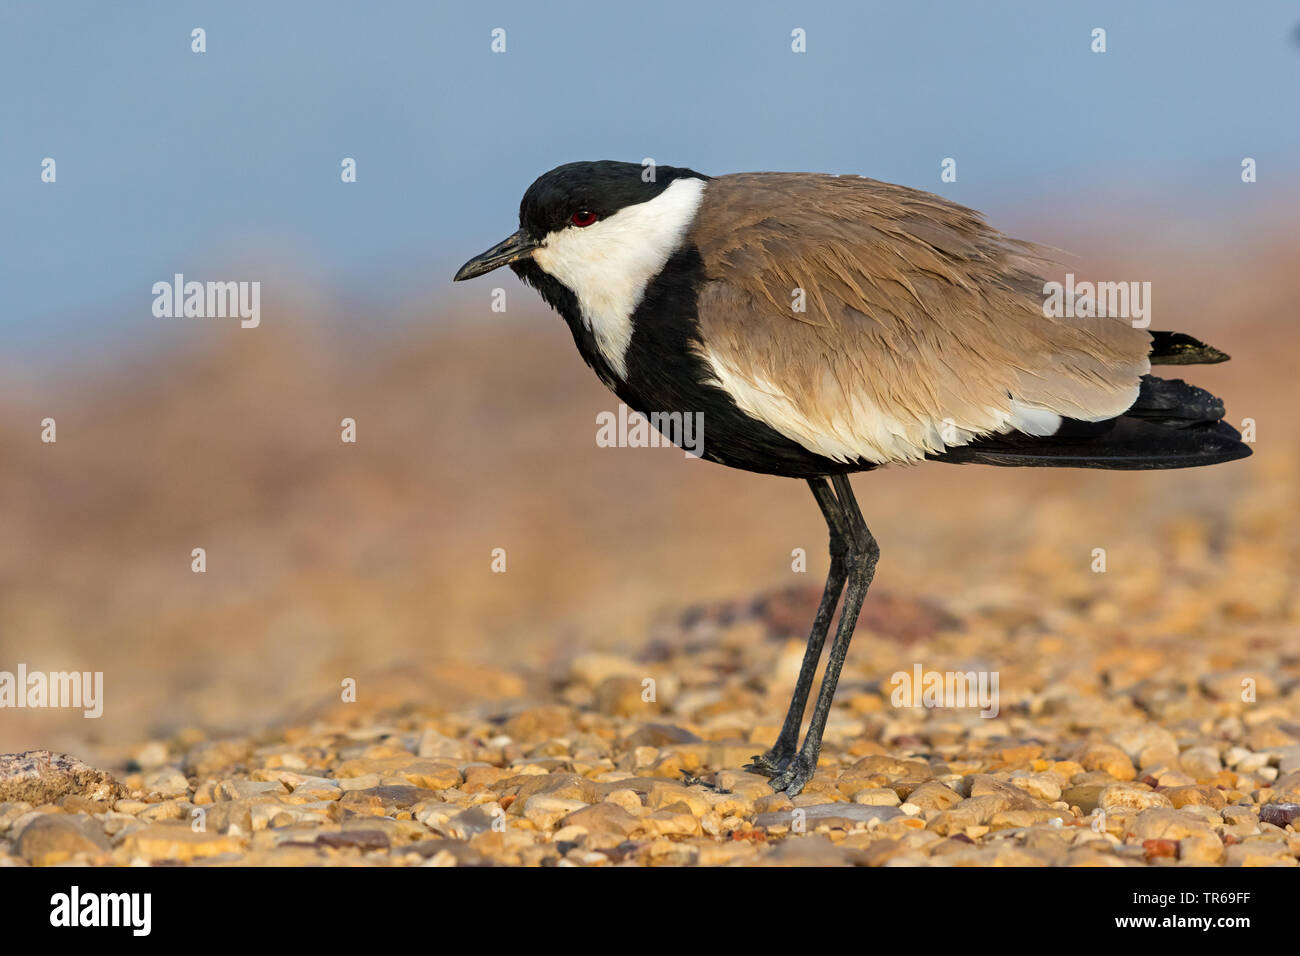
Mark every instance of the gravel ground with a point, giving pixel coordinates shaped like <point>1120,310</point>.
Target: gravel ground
<point>1101,755</point>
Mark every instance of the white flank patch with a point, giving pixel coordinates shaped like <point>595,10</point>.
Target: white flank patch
<point>1033,420</point>
<point>861,429</point>
<point>608,265</point>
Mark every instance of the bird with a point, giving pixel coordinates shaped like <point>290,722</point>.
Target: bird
<point>923,336</point>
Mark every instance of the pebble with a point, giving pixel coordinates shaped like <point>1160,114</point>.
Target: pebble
<point>55,838</point>
<point>1201,763</point>
<point>1147,744</point>
<point>876,797</point>
<point>175,841</point>
<point>1108,759</point>
<point>546,811</point>
<point>1196,796</point>
<point>1169,824</point>
<point>1280,814</point>
<point>1130,796</point>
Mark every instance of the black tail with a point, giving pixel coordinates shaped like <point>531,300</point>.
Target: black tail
<point>1171,425</point>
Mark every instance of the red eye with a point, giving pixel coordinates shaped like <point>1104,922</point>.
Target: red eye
<point>583,217</point>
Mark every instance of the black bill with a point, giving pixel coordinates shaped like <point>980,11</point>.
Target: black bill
<point>517,247</point>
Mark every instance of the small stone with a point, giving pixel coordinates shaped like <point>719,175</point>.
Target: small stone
<point>539,723</point>
<point>483,777</point>
<point>151,755</point>
<point>1108,759</point>
<point>1288,758</point>
<point>1168,824</point>
<point>1160,848</point>
<point>591,669</point>
<point>386,798</point>
<point>1244,761</point>
<point>1087,797</point>
<point>893,767</point>
<point>546,811</point>
<point>665,793</point>
<point>313,789</point>
<point>1147,744</point>
<point>277,815</point>
<point>1196,796</point>
<point>1131,796</point>
<point>933,795</point>
<point>210,758</point>
<point>660,735</point>
<point>1279,814</point>
<point>176,841</point>
<point>954,821</point>
<point>673,820</point>
<point>1019,755</point>
<point>1016,819</point>
<point>53,838</point>
<point>166,782</point>
<point>629,800</point>
<point>247,789</point>
<point>622,697</point>
<point>876,797</point>
<point>166,810</point>
<point>1201,763</point>
<point>1286,788</point>
<point>470,823</point>
<point>363,840</point>
<point>1260,853</point>
<point>229,816</point>
<point>1204,849</point>
<point>814,850</point>
<point>1235,685</point>
<point>434,744</point>
<point>75,804</point>
<point>1043,786</point>
<point>1006,796</point>
<point>606,823</point>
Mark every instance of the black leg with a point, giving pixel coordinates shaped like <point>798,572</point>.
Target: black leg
<point>783,751</point>
<point>863,553</point>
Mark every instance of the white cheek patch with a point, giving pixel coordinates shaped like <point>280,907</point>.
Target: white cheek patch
<point>608,265</point>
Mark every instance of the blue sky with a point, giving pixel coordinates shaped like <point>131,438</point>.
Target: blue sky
<point>226,164</point>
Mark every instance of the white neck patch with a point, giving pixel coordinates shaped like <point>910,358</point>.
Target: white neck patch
<point>608,264</point>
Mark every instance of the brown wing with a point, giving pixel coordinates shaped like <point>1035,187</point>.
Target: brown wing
<point>923,327</point>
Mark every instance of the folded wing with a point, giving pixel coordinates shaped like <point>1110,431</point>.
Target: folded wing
<point>921,328</point>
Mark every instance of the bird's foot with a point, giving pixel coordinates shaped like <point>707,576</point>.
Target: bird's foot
<point>771,763</point>
<point>795,775</point>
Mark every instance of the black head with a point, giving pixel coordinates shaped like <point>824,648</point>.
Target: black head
<point>575,195</point>
<point>598,188</point>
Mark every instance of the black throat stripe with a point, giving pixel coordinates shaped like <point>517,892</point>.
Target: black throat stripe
<point>665,374</point>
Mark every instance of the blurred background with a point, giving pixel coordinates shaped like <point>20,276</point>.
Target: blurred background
<point>476,429</point>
